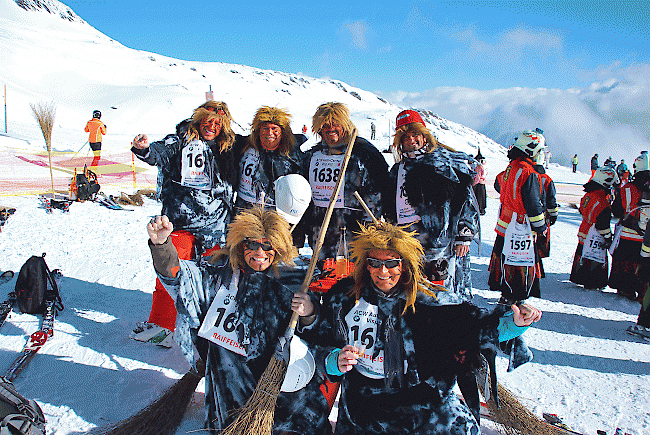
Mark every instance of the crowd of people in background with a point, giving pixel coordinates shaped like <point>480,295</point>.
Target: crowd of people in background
<point>223,233</point>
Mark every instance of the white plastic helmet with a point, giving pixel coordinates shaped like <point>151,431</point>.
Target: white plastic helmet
<point>605,176</point>
<point>292,197</point>
<point>530,142</point>
<point>301,366</point>
<point>642,163</point>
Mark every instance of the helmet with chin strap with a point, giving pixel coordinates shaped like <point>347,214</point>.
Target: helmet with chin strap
<point>642,163</point>
<point>531,142</point>
<point>97,114</point>
<point>605,176</point>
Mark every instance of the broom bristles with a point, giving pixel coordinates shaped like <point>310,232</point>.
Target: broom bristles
<point>161,417</point>
<point>515,419</point>
<point>256,417</point>
<point>44,114</point>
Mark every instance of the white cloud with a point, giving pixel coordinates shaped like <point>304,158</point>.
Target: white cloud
<point>358,31</point>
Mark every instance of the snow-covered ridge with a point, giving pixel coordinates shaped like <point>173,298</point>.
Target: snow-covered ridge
<point>50,6</point>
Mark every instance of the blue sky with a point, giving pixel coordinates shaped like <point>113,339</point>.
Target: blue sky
<point>393,46</point>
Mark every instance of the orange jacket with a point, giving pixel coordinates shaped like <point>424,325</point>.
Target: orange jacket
<point>591,206</point>
<point>96,128</point>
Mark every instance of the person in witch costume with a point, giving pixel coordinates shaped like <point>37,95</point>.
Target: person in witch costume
<point>366,173</point>
<point>479,183</point>
<point>271,151</point>
<point>430,189</point>
<point>233,309</point>
<point>397,346</point>
<point>590,263</point>
<point>197,177</point>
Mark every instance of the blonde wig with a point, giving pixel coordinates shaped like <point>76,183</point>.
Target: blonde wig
<point>386,236</point>
<point>431,143</point>
<point>279,117</point>
<point>332,113</point>
<point>257,223</point>
<point>212,110</point>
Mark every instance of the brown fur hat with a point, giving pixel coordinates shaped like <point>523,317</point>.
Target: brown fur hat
<point>257,223</point>
<point>279,117</point>
<point>430,140</point>
<point>211,110</point>
<point>329,113</point>
<point>386,236</point>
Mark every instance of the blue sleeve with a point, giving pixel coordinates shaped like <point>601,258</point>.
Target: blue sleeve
<point>508,329</point>
<point>332,363</point>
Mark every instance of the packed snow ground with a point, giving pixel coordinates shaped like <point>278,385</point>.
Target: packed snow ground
<point>586,368</point>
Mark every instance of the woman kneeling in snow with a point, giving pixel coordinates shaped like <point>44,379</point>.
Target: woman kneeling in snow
<point>234,307</point>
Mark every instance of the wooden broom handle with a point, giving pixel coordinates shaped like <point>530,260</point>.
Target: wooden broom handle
<point>326,222</point>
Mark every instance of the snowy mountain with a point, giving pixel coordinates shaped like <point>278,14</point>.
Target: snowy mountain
<point>586,368</point>
<point>47,57</point>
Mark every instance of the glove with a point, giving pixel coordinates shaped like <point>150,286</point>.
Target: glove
<point>551,220</point>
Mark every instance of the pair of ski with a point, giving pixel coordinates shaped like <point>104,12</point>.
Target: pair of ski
<point>37,339</point>
<point>51,203</point>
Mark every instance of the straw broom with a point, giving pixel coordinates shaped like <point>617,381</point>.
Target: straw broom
<point>256,417</point>
<point>44,114</point>
<point>162,416</point>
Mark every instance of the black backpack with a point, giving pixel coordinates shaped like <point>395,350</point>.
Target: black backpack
<point>85,185</point>
<point>32,289</point>
<point>18,415</point>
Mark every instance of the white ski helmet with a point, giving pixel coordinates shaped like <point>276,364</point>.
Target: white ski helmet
<point>642,163</point>
<point>605,176</point>
<point>292,197</point>
<point>301,366</point>
<point>530,142</point>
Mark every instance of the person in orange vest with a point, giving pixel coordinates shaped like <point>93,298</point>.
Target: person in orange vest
<point>632,207</point>
<point>512,265</point>
<point>590,263</point>
<point>95,129</point>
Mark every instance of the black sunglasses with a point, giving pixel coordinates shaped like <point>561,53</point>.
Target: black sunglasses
<point>254,245</point>
<point>390,263</point>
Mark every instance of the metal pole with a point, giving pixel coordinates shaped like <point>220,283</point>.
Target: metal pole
<point>5,108</point>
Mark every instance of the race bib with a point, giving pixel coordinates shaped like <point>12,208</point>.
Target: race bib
<point>220,323</point>
<point>518,246</point>
<point>193,166</point>
<point>249,166</point>
<point>324,171</point>
<point>363,324</point>
<point>594,247</point>
<point>405,212</point>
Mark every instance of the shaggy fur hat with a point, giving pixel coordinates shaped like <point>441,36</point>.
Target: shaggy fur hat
<point>430,141</point>
<point>211,110</point>
<point>257,223</point>
<point>332,113</point>
<point>386,236</point>
<point>279,117</point>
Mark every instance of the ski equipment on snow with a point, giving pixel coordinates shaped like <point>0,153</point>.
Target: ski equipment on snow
<point>38,338</point>
<point>109,202</point>
<point>6,306</point>
<point>639,331</point>
<point>32,286</point>
<point>84,186</point>
<point>19,415</point>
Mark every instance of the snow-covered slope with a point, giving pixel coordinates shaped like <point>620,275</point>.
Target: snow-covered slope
<point>69,63</point>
